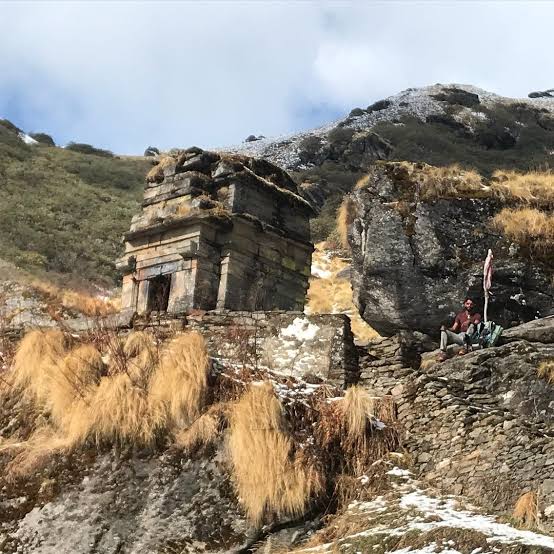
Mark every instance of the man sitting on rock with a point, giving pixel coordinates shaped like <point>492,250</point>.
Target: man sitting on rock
<point>462,330</point>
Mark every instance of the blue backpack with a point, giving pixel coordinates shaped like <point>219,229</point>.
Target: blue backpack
<point>486,334</point>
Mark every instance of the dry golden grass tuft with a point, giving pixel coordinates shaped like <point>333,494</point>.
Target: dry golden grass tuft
<point>119,411</point>
<point>141,357</point>
<point>129,400</point>
<point>30,455</point>
<point>345,217</point>
<point>179,385</point>
<point>72,380</point>
<point>349,425</point>
<point>526,510</point>
<point>437,182</point>
<point>330,294</point>
<point>449,182</point>
<point>81,302</point>
<point>156,173</point>
<point>527,226</point>
<point>36,354</point>
<point>359,411</point>
<point>269,477</point>
<point>204,430</point>
<point>546,371</point>
<point>534,187</point>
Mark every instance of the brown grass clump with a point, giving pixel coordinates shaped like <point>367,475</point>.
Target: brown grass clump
<point>534,187</point>
<point>81,302</point>
<point>37,353</point>
<point>526,510</point>
<point>345,217</point>
<point>72,380</point>
<point>203,430</point>
<point>330,294</point>
<point>449,182</point>
<point>359,410</point>
<point>349,428</point>
<point>269,478</point>
<point>31,454</point>
<point>119,412</point>
<point>546,371</point>
<point>527,227</point>
<point>156,174</point>
<point>140,357</point>
<point>179,385</point>
<point>436,182</point>
<point>128,400</point>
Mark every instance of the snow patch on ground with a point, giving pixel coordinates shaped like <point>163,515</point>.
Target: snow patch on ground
<point>463,519</point>
<point>318,271</point>
<point>27,139</point>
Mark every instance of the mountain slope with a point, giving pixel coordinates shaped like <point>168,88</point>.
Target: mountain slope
<point>491,131</point>
<point>63,211</point>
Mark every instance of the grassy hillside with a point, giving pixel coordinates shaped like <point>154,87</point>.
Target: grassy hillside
<point>514,136</point>
<point>63,211</point>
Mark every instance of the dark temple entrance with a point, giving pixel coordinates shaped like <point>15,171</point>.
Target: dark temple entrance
<point>158,293</point>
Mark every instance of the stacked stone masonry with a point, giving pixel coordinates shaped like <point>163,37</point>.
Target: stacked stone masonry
<point>217,232</point>
<point>315,347</point>
<point>482,424</point>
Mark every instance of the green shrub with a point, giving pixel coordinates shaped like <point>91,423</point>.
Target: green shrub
<point>43,138</point>
<point>88,149</point>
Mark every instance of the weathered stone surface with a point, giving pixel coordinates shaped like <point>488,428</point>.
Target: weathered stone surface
<point>217,231</point>
<point>480,424</point>
<point>136,505</point>
<point>539,330</point>
<point>414,261</point>
<point>287,343</point>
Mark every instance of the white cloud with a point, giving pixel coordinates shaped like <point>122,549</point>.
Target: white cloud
<point>125,75</point>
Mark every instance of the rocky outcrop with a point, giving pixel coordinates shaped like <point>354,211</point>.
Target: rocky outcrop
<point>131,504</point>
<point>542,93</point>
<point>417,252</point>
<point>480,425</point>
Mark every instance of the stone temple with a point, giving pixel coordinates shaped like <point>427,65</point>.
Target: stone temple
<point>217,232</point>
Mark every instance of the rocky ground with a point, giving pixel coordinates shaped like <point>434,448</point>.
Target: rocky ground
<point>413,518</point>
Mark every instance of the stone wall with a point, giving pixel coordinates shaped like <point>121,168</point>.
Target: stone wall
<point>289,343</point>
<point>482,424</point>
<point>315,347</point>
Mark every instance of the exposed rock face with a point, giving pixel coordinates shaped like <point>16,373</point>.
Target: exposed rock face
<point>415,260</point>
<point>135,505</point>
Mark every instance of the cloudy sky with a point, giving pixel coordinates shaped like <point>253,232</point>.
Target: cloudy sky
<point>125,75</point>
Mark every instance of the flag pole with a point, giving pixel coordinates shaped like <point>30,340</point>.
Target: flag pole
<point>487,281</point>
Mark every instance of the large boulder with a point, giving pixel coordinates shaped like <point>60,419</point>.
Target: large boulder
<point>417,253</point>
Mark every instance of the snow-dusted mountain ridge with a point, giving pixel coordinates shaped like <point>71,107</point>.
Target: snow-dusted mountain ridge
<point>466,104</point>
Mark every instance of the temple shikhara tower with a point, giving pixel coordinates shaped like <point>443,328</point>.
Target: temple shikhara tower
<point>217,231</point>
